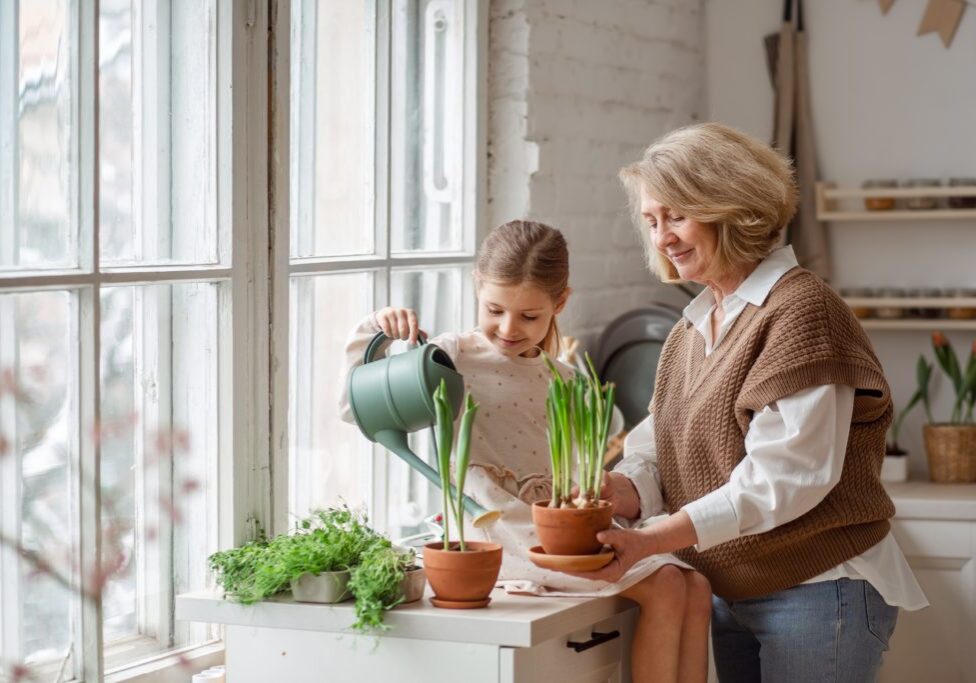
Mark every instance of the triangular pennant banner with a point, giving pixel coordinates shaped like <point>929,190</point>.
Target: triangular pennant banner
<point>942,16</point>
<point>886,5</point>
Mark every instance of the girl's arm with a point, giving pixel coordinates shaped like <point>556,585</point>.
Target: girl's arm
<point>398,323</point>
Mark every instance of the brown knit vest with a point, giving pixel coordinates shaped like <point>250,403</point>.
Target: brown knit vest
<point>804,335</point>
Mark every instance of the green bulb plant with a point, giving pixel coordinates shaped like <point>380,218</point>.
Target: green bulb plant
<point>578,414</point>
<point>461,575</point>
<point>453,501</point>
<point>578,411</point>
<point>330,540</point>
<point>963,381</point>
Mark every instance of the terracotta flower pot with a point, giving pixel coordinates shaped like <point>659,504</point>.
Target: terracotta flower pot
<point>571,531</point>
<point>462,580</point>
<point>951,451</point>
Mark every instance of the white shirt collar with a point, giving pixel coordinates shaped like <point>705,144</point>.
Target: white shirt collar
<point>754,289</point>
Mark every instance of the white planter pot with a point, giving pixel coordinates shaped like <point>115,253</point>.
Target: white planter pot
<point>326,587</point>
<point>413,585</point>
<point>894,468</point>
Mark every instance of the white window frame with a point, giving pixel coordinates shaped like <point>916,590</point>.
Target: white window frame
<point>383,262</point>
<point>241,213</point>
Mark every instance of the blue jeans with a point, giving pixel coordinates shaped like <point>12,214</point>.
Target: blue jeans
<point>817,632</point>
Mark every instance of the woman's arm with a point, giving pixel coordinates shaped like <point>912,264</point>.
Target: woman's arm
<point>794,455</point>
<point>634,485</point>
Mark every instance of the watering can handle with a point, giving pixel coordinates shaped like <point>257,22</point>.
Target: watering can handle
<point>377,341</point>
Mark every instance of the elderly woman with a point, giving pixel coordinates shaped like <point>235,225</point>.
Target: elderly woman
<point>766,432</point>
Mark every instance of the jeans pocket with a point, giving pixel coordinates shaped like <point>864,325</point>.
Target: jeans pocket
<point>881,616</point>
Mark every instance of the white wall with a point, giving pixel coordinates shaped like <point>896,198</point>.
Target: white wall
<point>886,104</point>
<point>577,89</point>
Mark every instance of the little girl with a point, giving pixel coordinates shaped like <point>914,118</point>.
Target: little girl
<point>522,284</point>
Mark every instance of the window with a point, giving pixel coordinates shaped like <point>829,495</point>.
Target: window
<point>173,306</point>
<point>116,294</point>
<point>383,211</point>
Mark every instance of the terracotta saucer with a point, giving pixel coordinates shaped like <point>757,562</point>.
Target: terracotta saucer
<point>573,563</point>
<point>459,604</point>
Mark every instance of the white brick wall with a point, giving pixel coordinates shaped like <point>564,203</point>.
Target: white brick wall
<point>577,89</point>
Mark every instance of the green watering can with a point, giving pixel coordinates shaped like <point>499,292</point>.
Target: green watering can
<point>392,396</point>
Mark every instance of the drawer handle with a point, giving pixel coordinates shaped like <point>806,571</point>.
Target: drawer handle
<point>595,639</point>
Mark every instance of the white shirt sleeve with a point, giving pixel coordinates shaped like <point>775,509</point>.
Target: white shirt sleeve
<point>794,456</point>
<point>639,464</point>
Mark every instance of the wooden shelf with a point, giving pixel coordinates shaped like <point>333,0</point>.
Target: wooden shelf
<point>828,195</point>
<point>907,324</point>
<point>910,302</point>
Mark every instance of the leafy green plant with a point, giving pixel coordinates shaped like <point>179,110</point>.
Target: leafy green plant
<point>923,374</point>
<point>453,502</point>
<point>334,539</point>
<point>578,412</point>
<point>963,381</point>
<point>375,582</point>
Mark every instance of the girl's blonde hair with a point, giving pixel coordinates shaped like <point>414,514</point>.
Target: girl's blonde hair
<point>718,176</point>
<point>527,252</point>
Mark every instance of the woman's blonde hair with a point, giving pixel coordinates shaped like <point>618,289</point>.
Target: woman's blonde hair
<point>527,252</point>
<point>717,176</point>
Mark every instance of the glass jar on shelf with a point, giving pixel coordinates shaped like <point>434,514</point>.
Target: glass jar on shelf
<point>921,202</point>
<point>858,309</point>
<point>880,201</point>
<point>962,201</point>
<point>962,311</point>
<point>928,311</point>
<point>890,310</point>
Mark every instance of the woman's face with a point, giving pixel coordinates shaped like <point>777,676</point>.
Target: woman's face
<point>688,244</point>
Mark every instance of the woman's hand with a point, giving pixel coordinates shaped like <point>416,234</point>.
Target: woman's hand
<point>629,546</point>
<point>398,323</point>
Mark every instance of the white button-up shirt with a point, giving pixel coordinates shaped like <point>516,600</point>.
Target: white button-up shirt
<point>795,451</point>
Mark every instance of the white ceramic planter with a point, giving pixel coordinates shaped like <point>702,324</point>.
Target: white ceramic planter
<point>894,468</point>
<point>413,585</point>
<point>326,587</point>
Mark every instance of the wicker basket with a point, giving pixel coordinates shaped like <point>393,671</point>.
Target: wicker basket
<point>951,451</point>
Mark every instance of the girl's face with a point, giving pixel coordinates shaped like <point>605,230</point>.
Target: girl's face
<point>516,318</point>
<point>688,244</point>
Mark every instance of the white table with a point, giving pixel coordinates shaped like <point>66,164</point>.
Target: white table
<point>516,639</point>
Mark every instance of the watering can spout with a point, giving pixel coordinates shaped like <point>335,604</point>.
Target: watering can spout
<point>396,441</point>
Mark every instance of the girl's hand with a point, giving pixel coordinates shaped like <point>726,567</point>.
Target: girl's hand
<point>398,323</point>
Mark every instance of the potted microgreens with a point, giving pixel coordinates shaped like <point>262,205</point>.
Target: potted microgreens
<point>330,556</point>
<point>578,412</point>
<point>895,465</point>
<point>461,574</point>
<point>951,446</point>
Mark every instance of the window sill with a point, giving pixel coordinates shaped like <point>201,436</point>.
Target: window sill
<point>172,667</point>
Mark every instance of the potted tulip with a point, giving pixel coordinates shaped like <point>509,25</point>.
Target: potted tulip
<point>578,413</point>
<point>895,465</point>
<point>951,446</point>
<point>461,574</point>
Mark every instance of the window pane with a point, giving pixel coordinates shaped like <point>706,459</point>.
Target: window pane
<point>38,460</point>
<point>156,132</point>
<point>330,459</point>
<point>37,139</point>
<point>332,128</point>
<point>159,450</point>
<point>437,295</point>
<point>428,125</point>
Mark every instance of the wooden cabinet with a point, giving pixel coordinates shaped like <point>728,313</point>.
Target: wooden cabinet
<point>935,525</point>
<point>517,639</point>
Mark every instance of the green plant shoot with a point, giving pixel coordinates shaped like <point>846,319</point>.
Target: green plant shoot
<point>578,411</point>
<point>923,374</point>
<point>453,505</point>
